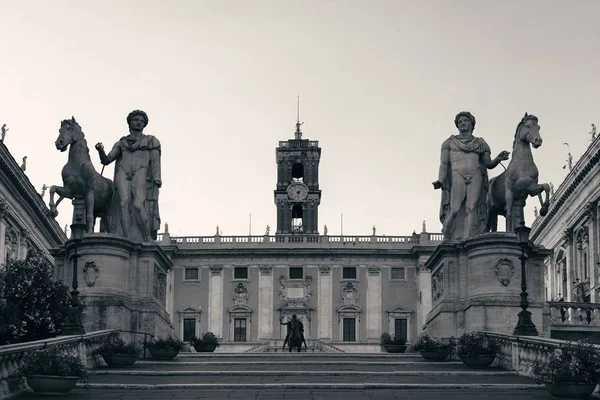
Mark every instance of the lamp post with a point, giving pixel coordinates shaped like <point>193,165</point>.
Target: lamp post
<point>74,325</point>
<point>525,326</point>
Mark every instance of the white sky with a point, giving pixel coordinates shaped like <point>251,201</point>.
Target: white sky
<point>379,82</point>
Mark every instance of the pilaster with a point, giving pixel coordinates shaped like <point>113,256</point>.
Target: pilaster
<point>265,302</point>
<point>215,300</point>
<point>324,303</point>
<point>373,302</point>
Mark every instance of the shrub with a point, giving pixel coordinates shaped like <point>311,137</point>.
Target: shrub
<point>115,345</point>
<point>430,344</point>
<point>476,344</point>
<point>34,305</point>
<point>166,343</point>
<point>51,361</point>
<point>207,339</point>
<point>570,363</point>
<point>386,338</point>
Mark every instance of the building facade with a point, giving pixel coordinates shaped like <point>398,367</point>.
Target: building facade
<point>25,221</point>
<point>347,290</point>
<point>572,231</point>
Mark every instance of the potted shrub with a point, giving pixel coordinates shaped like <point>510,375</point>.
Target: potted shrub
<point>392,344</point>
<point>117,353</point>
<point>207,343</point>
<point>432,349</point>
<point>476,350</point>
<point>572,371</point>
<point>166,348</point>
<point>51,371</point>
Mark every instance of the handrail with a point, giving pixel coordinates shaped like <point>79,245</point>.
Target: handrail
<point>145,341</point>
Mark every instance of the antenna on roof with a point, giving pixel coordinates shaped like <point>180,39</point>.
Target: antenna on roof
<point>298,134</point>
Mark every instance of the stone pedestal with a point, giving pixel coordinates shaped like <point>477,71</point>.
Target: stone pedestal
<point>123,283</point>
<point>475,285</point>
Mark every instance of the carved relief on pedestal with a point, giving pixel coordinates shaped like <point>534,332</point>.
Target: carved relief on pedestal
<point>216,269</point>
<point>160,285</point>
<point>324,269</point>
<point>90,273</point>
<point>437,284</point>
<point>504,270</point>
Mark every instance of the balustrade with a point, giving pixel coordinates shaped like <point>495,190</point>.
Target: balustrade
<point>11,356</point>
<point>311,240</point>
<point>563,313</point>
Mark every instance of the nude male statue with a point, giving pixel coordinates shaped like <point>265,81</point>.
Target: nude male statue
<point>137,180</point>
<point>463,179</point>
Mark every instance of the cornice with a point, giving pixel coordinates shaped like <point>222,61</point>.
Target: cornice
<point>27,192</point>
<point>581,169</point>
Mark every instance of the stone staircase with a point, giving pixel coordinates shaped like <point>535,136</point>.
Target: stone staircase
<point>312,346</point>
<point>306,375</point>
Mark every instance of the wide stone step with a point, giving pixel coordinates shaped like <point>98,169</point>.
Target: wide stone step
<point>303,393</point>
<point>296,366</point>
<point>293,357</point>
<point>307,378</point>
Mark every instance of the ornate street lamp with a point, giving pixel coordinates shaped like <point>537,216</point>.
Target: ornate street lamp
<point>525,326</point>
<point>74,325</point>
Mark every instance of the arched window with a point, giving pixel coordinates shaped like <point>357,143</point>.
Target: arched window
<point>297,172</point>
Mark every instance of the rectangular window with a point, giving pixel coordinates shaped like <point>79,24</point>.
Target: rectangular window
<point>398,274</point>
<point>240,273</point>
<point>349,330</point>
<point>401,328</point>
<point>191,274</point>
<point>349,273</point>
<point>189,328</point>
<point>296,273</point>
<point>239,330</point>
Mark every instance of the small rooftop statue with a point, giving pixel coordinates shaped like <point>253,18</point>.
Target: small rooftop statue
<point>424,227</point>
<point>4,130</point>
<point>593,132</point>
<point>374,230</point>
<point>166,227</point>
<point>217,234</point>
<point>551,189</point>
<point>325,230</point>
<point>569,162</point>
<point>24,165</point>
<point>535,211</point>
<point>267,230</point>
<point>44,188</point>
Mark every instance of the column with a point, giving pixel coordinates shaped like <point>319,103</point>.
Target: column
<point>215,300</point>
<point>324,303</point>
<point>373,302</point>
<point>265,303</point>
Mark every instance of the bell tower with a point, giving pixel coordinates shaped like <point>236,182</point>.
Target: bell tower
<point>297,196</point>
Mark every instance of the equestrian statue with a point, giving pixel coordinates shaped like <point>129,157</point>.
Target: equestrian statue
<point>80,178</point>
<point>509,190</point>
<point>295,334</point>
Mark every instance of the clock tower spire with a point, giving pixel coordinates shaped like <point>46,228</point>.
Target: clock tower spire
<point>297,195</point>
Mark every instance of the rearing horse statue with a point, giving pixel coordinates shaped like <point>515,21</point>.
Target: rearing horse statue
<point>509,190</point>
<point>80,178</point>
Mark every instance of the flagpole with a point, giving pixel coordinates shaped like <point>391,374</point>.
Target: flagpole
<point>250,226</point>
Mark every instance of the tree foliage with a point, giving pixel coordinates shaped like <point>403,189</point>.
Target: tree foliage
<point>34,305</point>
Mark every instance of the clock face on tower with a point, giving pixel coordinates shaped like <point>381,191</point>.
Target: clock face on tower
<point>297,191</point>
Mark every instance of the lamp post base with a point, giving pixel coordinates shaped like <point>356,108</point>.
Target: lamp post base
<point>74,325</point>
<point>525,326</point>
